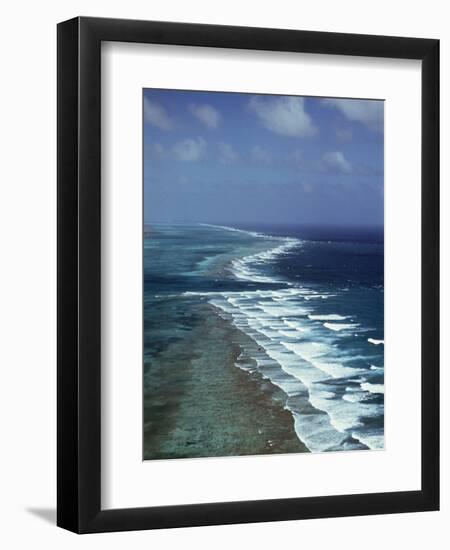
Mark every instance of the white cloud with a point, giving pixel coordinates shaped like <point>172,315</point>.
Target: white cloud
<point>206,114</point>
<point>260,155</point>
<point>368,112</point>
<point>227,155</point>
<point>283,115</point>
<point>335,162</point>
<point>156,115</point>
<point>190,150</point>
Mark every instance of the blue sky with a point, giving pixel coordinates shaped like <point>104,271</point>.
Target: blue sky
<point>220,157</point>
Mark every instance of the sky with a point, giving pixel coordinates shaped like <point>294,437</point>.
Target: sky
<point>220,157</point>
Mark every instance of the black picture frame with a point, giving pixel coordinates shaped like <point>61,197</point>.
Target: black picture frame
<point>79,280</point>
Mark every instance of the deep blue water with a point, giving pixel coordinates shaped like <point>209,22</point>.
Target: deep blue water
<point>312,298</point>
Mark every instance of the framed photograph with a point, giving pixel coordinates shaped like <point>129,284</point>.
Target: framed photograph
<point>248,288</point>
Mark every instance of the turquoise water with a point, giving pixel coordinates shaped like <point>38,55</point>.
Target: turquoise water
<point>311,298</point>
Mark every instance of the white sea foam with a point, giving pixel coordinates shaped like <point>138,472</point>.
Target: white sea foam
<point>227,228</point>
<point>317,433</point>
<point>280,322</point>
<point>189,293</point>
<point>246,268</point>
<point>353,397</point>
<point>302,364</point>
<point>372,388</point>
<point>355,394</point>
<point>317,355</point>
<point>319,296</point>
<point>337,326</point>
<point>289,333</point>
<point>280,310</point>
<point>330,317</point>
<point>241,271</point>
<point>375,342</point>
<point>295,325</point>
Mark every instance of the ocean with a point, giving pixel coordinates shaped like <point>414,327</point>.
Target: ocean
<point>309,302</point>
